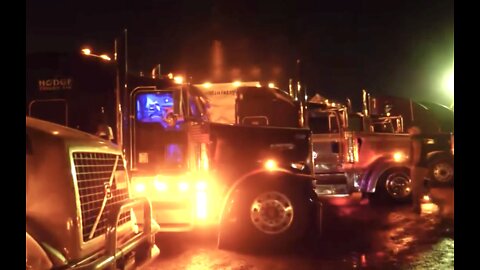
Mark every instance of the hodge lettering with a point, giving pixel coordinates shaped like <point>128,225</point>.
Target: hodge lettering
<point>55,84</point>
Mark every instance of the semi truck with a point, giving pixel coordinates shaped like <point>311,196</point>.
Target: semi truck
<point>365,152</point>
<point>80,213</point>
<point>436,120</point>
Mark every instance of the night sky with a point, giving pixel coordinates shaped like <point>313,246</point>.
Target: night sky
<point>401,48</point>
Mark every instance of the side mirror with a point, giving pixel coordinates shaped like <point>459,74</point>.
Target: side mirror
<point>105,132</point>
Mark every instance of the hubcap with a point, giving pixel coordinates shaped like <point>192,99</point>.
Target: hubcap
<point>398,185</point>
<point>443,172</point>
<point>271,212</point>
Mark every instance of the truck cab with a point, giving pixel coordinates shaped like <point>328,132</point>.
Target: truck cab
<point>169,154</point>
<point>79,210</point>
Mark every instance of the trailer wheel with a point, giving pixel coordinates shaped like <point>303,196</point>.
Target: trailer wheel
<point>267,217</point>
<point>441,170</point>
<point>393,186</point>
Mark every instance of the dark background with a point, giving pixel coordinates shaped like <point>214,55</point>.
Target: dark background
<point>401,48</point>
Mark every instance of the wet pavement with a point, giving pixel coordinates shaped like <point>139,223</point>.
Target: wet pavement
<point>356,235</point>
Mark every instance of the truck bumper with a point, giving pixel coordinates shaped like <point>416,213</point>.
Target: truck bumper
<point>116,254</point>
<point>174,217</point>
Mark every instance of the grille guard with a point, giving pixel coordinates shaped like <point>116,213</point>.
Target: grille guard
<point>107,258</point>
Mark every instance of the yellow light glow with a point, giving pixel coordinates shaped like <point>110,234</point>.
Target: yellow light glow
<point>449,82</point>
<point>333,104</point>
<point>55,132</point>
<point>178,79</point>
<point>170,76</point>
<point>207,85</point>
<point>205,164</point>
<point>258,85</point>
<point>86,51</point>
<point>201,186</point>
<point>140,187</point>
<point>398,157</point>
<point>429,208</point>
<point>271,85</point>
<point>201,205</point>
<point>183,186</point>
<point>426,198</point>
<point>237,83</point>
<point>160,186</point>
<point>105,57</point>
<point>271,165</point>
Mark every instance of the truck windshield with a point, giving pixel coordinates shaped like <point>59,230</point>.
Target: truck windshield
<point>323,122</point>
<point>383,127</point>
<point>155,107</point>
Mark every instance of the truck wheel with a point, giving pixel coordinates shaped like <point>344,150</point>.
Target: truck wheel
<point>268,216</point>
<point>441,170</point>
<point>393,186</point>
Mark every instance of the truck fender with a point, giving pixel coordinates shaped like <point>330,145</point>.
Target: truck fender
<point>376,170</point>
<point>36,257</point>
<point>252,177</point>
<point>434,154</point>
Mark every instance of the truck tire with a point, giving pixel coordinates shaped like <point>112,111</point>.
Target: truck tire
<point>441,170</point>
<point>394,186</point>
<point>273,216</point>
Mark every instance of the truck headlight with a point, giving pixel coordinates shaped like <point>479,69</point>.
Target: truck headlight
<point>183,186</point>
<point>160,186</point>
<point>140,187</point>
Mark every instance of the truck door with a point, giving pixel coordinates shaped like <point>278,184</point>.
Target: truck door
<point>158,136</point>
<point>327,141</point>
<point>329,147</point>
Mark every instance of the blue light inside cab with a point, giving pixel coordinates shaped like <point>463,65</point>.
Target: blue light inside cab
<point>154,107</point>
<point>173,154</point>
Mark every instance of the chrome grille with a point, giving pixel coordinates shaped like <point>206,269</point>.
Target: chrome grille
<point>93,171</point>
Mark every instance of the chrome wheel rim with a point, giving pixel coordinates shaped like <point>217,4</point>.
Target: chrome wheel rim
<point>443,172</point>
<point>398,185</point>
<point>271,212</point>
